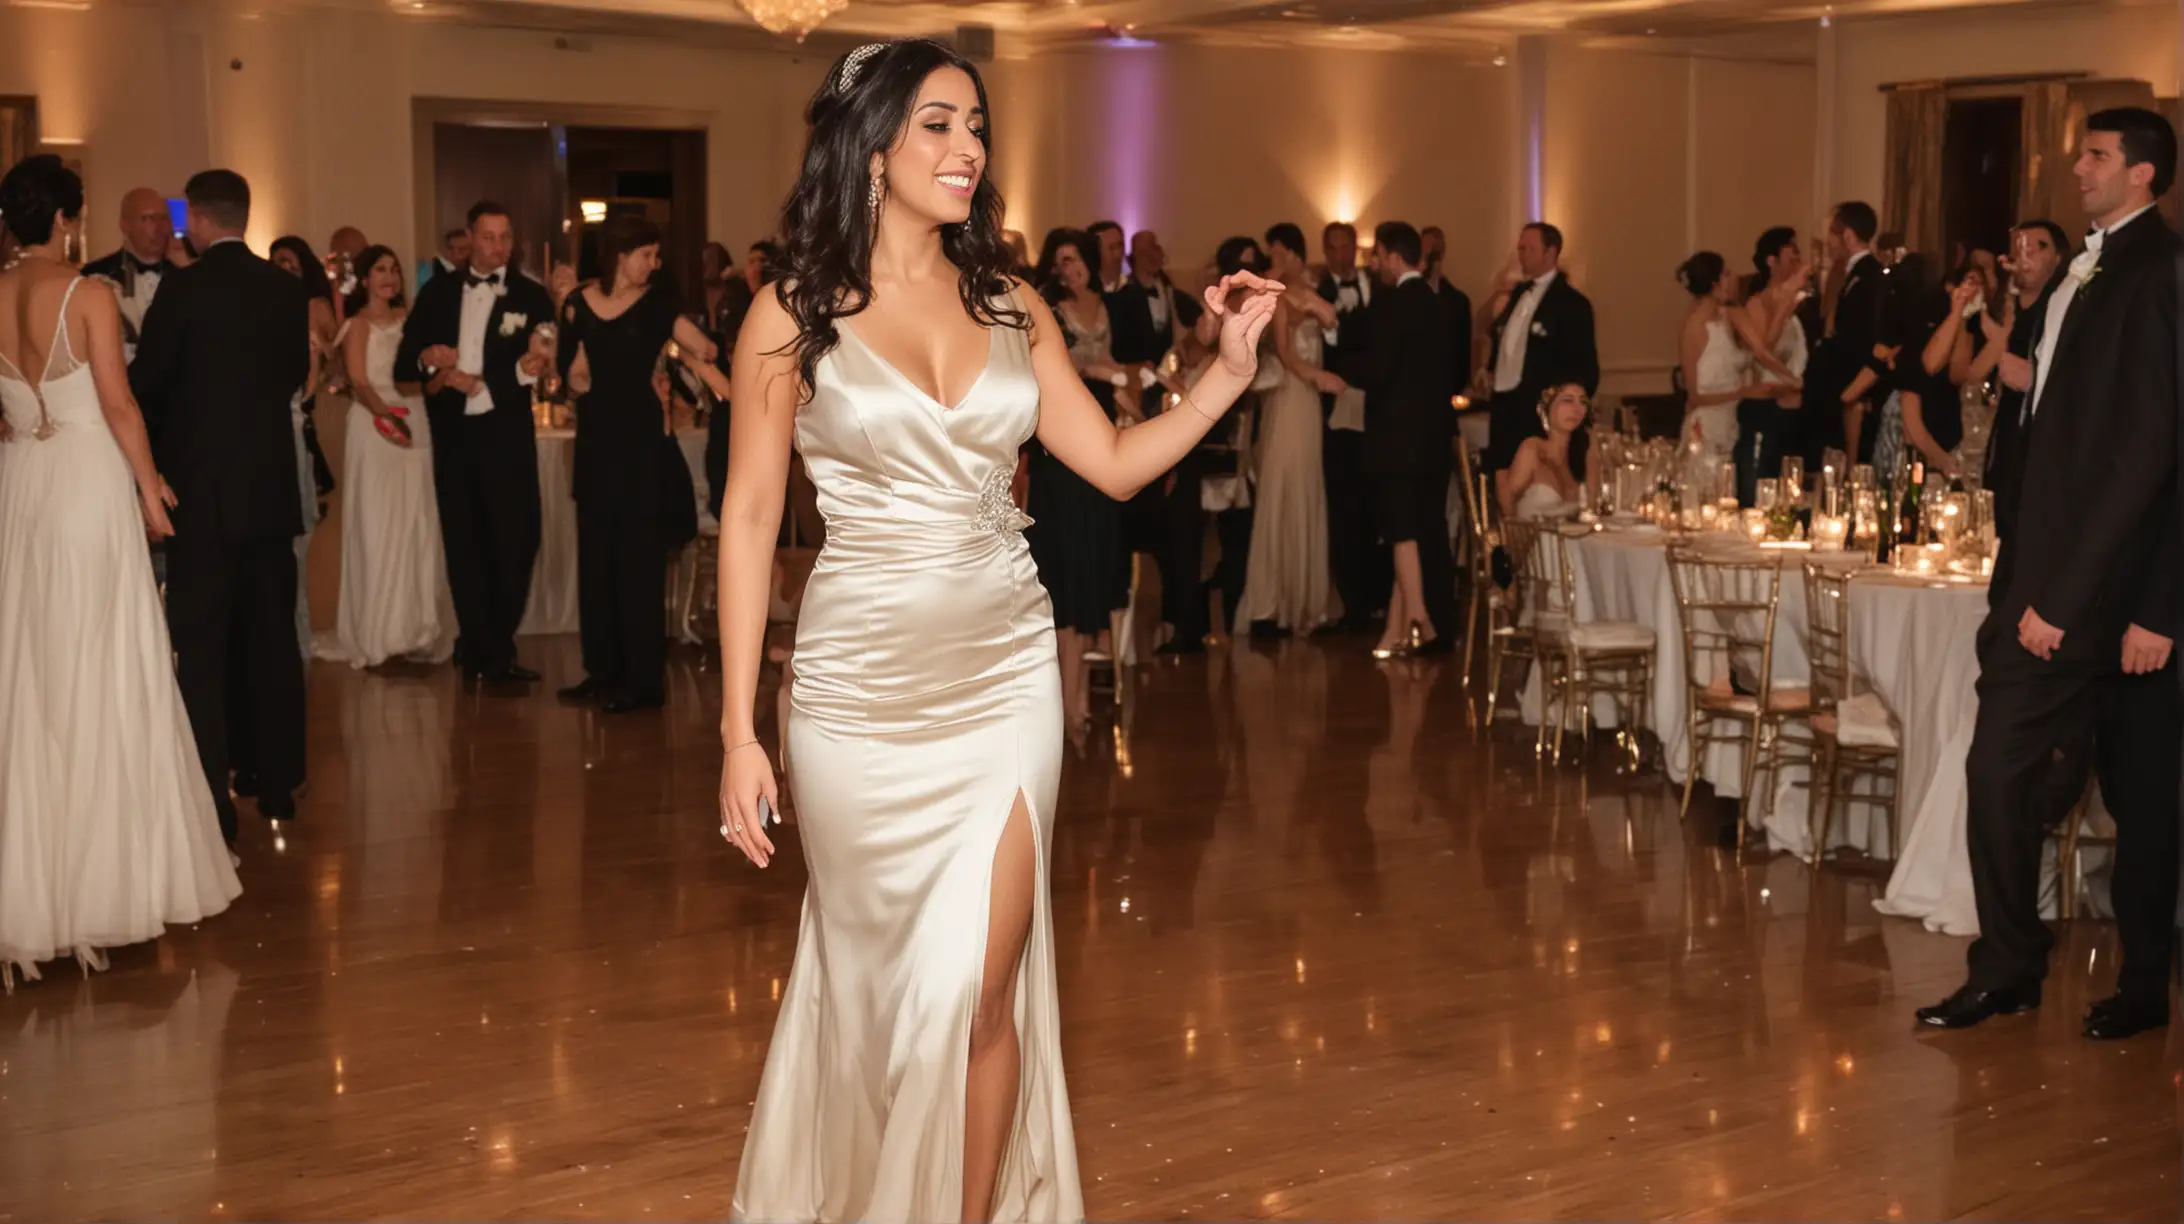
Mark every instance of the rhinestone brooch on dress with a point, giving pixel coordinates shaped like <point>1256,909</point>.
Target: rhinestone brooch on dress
<point>997,511</point>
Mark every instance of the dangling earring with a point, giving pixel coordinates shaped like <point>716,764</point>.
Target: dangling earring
<point>1543,420</point>
<point>872,202</point>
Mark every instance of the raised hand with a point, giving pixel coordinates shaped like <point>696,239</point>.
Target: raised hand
<point>1244,320</point>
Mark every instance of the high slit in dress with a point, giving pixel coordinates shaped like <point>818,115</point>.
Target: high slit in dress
<point>926,700</point>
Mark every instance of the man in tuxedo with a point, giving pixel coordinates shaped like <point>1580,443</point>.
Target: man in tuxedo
<point>143,262</point>
<point>1147,315</point>
<point>2080,635</point>
<point>1401,356</point>
<point>454,257</point>
<point>1542,338</point>
<point>470,342</point>
<point>225,345</point>
<point>1841,371</point>
<point>1109,235</point>
<point>1358,562</point>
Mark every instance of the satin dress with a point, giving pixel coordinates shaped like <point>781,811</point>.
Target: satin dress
<point>926,698</point>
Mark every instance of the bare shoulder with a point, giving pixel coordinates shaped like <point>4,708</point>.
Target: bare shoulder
<point>1035,308</point>
<point>769,328</point>
<point>94,293</point>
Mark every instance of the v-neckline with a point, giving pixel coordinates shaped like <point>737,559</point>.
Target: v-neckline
<point>911,383</point>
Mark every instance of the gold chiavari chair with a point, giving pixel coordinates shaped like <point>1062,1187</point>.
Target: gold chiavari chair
<point>1854,735</point>
<point>1587,659</point>
<point>1515,616</point>
<point>1480,537</point>
<point>1721,602</point>
<point>2070,838</point>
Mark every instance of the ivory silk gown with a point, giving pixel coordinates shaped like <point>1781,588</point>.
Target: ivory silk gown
<point>926,698</point>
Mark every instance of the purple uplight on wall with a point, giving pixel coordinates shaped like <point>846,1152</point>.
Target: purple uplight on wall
<point>1135,134</point>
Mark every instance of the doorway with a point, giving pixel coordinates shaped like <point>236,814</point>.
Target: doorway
<point>1982,155</point>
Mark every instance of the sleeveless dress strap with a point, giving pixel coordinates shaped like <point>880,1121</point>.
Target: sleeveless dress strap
<point>61,343</point>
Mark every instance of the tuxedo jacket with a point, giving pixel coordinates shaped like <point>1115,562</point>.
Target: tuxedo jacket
<point>226,344</point>
<point>1130,314</point>
<point>1561,348</point>
<point>1834,362</point>
<point>1400,357</point>
<point>2095,545</point>
<point>1338,353</point>
<point>437,318</point>
<point>1456,305</point>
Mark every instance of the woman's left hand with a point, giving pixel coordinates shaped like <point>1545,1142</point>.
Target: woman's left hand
<point>1242,325</point>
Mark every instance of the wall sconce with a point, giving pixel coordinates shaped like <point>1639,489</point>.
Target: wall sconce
<point>594,212</point>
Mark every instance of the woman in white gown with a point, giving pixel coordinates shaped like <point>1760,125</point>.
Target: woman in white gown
<point>1287,583</point>
<point>1770,421</point>
<point>1716,369</point>
<point>1545,479</point>
<point>107,828</point>
<point>916,1068</point>
<point>395,602</point>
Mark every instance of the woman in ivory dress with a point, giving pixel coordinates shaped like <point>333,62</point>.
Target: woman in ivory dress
<point>1287,584</point>
<point>1546,479</point>
<point>1716,369</point>
<point>1770,421</point>
<point>915,1072</point>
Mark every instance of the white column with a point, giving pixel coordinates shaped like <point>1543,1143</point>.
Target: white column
<point>1823,127</point>
<point>1531,64</point>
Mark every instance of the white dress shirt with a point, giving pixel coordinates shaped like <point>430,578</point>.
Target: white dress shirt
<point>1351,296</point>
<point>2051,330</point>
<point>1516,336</point>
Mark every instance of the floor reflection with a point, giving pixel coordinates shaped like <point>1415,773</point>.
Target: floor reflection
<point>1327,951</point>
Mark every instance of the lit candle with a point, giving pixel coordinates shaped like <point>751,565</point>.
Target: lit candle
<point>1755,526</point>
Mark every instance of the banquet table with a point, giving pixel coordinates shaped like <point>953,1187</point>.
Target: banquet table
<point>552,607</point>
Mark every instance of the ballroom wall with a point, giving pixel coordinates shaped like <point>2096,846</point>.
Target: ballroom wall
<point>1202,143</point>
<point>2123,41</point>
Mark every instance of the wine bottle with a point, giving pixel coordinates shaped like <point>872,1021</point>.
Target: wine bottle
<point>1913,530</point>
<point>1884,542</point>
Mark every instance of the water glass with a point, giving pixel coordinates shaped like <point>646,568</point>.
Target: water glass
<point>1768,495</point>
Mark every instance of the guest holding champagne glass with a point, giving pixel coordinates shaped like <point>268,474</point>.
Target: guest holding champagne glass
<point>394,596</point>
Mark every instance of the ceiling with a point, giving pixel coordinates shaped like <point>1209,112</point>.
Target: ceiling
<point>1025,26</point>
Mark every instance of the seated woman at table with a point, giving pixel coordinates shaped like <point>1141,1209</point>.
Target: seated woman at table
<point>1547,477</point>
<point>611,337</point>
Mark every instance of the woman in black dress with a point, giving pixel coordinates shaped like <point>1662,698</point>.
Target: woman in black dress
<point>613,332</point>
<point>1076,531</point>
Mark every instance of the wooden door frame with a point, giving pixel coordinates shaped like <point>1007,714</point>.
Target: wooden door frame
<point>425,112</point>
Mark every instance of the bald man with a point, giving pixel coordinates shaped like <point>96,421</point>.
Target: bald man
<point>147,244</point>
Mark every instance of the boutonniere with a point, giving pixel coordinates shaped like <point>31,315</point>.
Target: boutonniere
<point>1538,328</point>
<point>511,323</point>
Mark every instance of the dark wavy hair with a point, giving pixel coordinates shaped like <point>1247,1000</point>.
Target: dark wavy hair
<point>314,270</point>
<point>828,218</point>
<point>1044,275</point>
<point>36,189</point>
<point>366,260</point>
<point>1701,273</point>
<point>1769,244</point>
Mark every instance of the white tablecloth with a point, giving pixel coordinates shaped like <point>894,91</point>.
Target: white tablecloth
<point>552,608</point>
<point>1917,642</point>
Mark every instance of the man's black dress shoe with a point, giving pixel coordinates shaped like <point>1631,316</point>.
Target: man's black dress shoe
<point>589,690</point>
<point>2119,1016</point>
<point>244,786</point>
<point>513,673</point>
<point>277,807</point>
<point>1971,1005</point>
<point>629,703</point>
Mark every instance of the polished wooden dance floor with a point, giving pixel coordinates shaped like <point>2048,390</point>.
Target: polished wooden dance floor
<point>1325,953</point>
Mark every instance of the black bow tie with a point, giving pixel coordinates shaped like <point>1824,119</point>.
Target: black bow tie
<point>1523,287</point>
<point>473,280</point>
<point>162,267</point>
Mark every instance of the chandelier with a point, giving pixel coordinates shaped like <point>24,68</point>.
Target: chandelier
<point>795,18</point>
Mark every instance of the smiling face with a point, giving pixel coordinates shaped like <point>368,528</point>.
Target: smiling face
<point>634,268</point>
<point>2106,186</point>
<point>1069,266</point>
<point>938,160</point>
<point>383,281</point>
